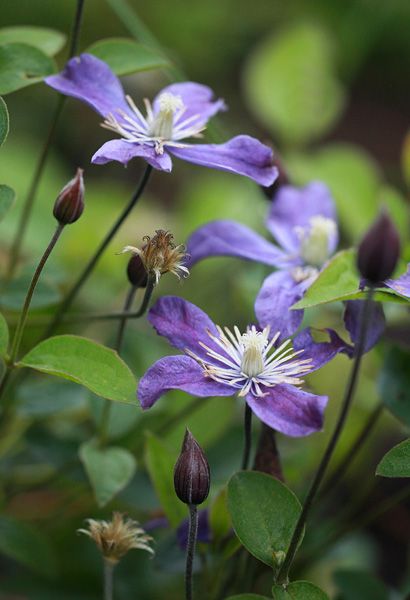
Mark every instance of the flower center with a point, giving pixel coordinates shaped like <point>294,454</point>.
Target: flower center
<point>250,361</point>
<point>163,123</point>
<point>315,241</point>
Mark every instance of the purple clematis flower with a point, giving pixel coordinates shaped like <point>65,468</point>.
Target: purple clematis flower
<point>304,223</point>
<point>257,364</point>
<point>180,111</point>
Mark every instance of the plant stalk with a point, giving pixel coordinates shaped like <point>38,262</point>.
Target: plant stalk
<point>247,430</point>
<point>192,535</point>
<point>108,580</point>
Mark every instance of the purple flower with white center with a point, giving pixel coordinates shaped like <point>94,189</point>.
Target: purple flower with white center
<point>180,111</point>
<point>304,223</point>
<point>252,364</point>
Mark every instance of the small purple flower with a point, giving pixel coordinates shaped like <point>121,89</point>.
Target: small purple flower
<point>180,111</point>
<point>304,223</point>
<point>263,367</point>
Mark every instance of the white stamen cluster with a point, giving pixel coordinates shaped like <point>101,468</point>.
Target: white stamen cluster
<point>250,360</point>
<point>166,127</point>
<point>314,242</point>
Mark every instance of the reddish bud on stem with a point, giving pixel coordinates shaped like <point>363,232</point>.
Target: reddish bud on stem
<point>69,205</point>
<point>379,250</point>
<point>136,272</point>
<point>191,474</point>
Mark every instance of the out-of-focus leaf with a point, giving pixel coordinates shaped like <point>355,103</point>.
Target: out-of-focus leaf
<point>298,590</point>
<point>125,56</point>
<point>352,177</point>
<point>396,463</point>
<point>109,469</point>
<point>4,122</point>
<point>27,546</point>
<point>339,280</point>
<point>160,464</point>
<point>291,86</point>
<point>4,336</point>
<point>219,517</point>
<point>248,597</point>
<point>79,359</point>
<point>45,397</point>
<point>358,585</point>
<point>7,196</point>
<point>123,417</point>
<point>394,383</point>
<point>22,65</point>
<point>397,207</point>
<point>49,41</point>
<point>264,514</point>
<point>405,159</point>
<point>12,297</point>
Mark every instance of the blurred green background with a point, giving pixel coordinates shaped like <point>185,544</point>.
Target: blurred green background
<point>326,83</point>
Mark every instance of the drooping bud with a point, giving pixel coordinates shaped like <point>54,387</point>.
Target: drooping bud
<point>379,250</point>
<point>69,205</point>
<point>191,474</point>
<point>116,537</point>
<point>136,272</point>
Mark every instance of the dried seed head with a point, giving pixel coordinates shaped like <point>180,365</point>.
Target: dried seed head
<point>379,250</point>
<point>159,255</point>
<point>116,537</point>
<point>69,205</point>
<point>191,474</point>
<point>136,272</point>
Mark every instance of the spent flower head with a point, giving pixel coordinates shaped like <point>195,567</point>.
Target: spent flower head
<point>159,255</point>
<point>117,537</point>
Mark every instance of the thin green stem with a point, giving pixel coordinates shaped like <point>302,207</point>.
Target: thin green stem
<point>247,430</point>
<point>192,535</point>
<point>65,305</point>
<point>283,575</point>
<point>38,172</point>
<point>108,580</point>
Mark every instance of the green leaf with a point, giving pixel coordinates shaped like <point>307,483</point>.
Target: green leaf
<point>358,585</point>
<point>298,590</point>
<point>13,296</point>
<point>394,383</point>
<point>160,464</point>
<point>339,280</point>
<point>27,546</point>
<point>7,196</point>
<point>4,121</point>
<point>291,86</point>
<point>109,469</point>
<point>49,41</point>
<point>22,65</point>
<point>248,597</point>
<point>4,336</point>
<point>79,359</point>
<point>47,397</point>
<point>396,463</point>
<point>264,513</point>
<point>125,56</point>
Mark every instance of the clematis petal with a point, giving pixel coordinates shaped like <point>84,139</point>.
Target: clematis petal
<point>227,238</point>
<point>183,324</point>
<point>320,353</point>
<point>289,410</point>
<point>278,293</point>
<point>402,284</point>
<point>198,101</point>
<point>293,207</point>
<point>243,155</point>
<point>177,373</point>
<point>123,152</point>
<point>91,80</point>
<point>352,317</point>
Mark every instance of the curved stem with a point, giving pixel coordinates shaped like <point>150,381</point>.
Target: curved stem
<point>108,580</point>
<point>38,173</point>
<point>247,429</point>
<point>192,534</point>
<point>348,397</point>
<point>95,258</point>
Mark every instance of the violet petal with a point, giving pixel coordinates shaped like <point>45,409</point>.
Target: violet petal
<point>243,155</point>
<point>401,285</point>
<point>289,410</point>
<point>320,353</point>
<point>352,318</point>
<point>178,373</point>
<point>123,152</point>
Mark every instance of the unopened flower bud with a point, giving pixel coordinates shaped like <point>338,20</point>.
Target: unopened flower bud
<point>379,250</point>
<point>191,474</point>
<point>69,205</point>
<point>116,537</point>
<point>136,272</point>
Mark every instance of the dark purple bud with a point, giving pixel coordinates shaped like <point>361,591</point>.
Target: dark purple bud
<point>69,205</point>
<point>379,250</point>
<point>191,474</point>
<point>280,181</point>
<point>136,272</point>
